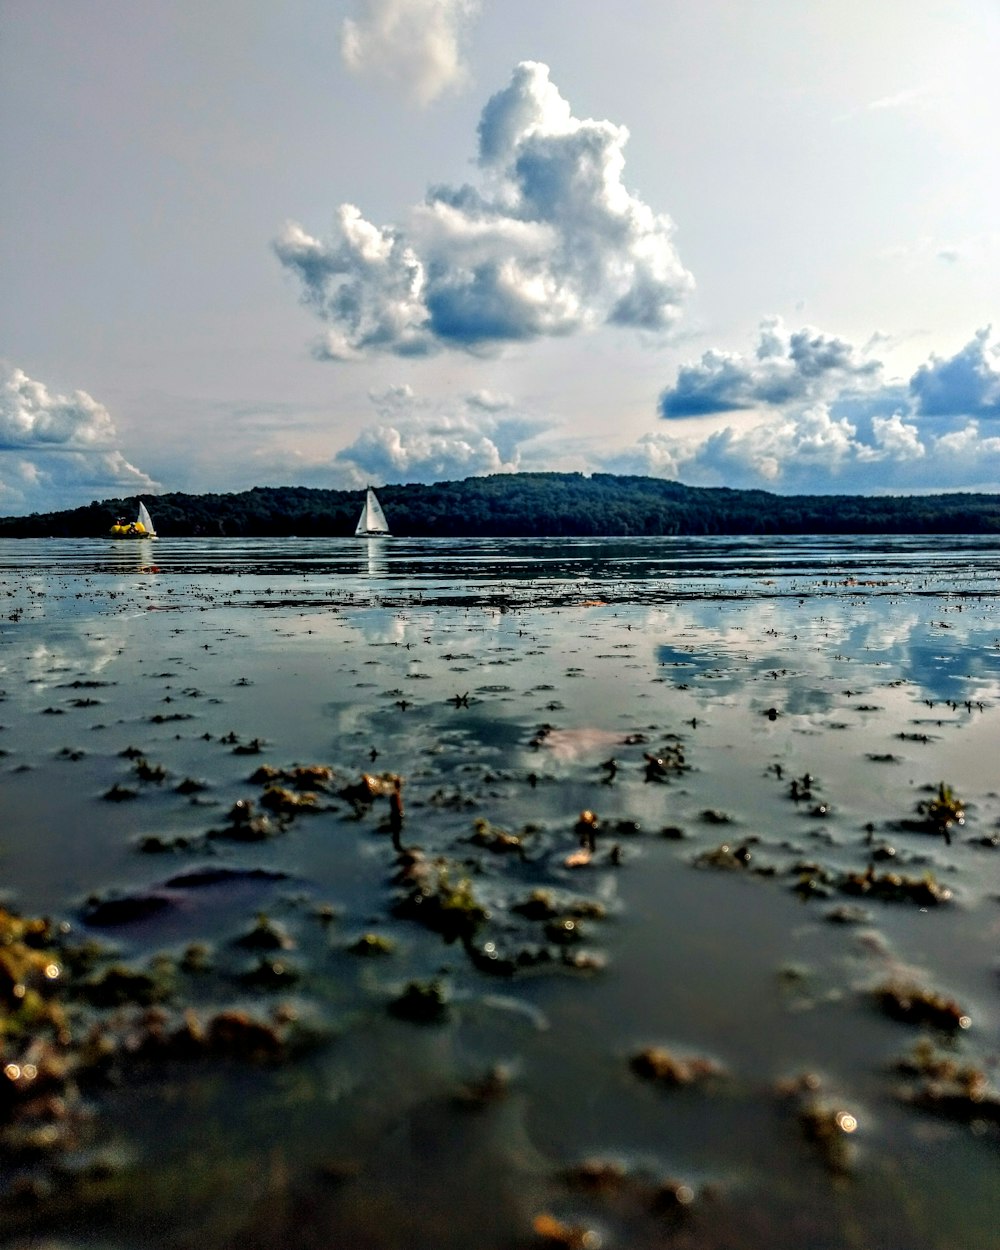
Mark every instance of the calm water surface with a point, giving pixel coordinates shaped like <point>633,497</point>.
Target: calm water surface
<point>499,679</point>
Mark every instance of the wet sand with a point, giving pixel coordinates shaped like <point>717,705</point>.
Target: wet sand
<point>416,894</point>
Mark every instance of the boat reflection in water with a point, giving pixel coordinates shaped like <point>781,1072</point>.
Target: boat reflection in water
<point>375,562</point>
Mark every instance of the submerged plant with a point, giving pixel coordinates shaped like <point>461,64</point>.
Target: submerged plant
<point>146,771</point>
<point>287,802</point>
<point>940,1083</point>
<point>660,1065</point>
<point>266,935</point>
<point>943,811</point>
<point>554,1232</point>
<point>915,1004</point>
<point>423,1002</point>
<point>372,944</point>
<point>447,907</point>
<point>828,1126</point>
<point>894,887</point>
<point>831,1130</point>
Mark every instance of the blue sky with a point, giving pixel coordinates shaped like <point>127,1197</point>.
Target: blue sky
<point>250,243</point>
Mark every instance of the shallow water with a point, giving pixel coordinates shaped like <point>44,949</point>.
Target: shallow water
<point>497,678</point>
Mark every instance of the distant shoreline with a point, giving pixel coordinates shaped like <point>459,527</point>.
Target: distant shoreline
<point>527,505</point>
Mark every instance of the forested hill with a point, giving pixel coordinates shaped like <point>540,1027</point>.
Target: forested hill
<point>529,504</point>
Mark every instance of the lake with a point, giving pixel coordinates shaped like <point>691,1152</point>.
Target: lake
<point>500,893</point>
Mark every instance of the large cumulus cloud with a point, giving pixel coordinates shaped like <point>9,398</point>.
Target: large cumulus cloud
<point>809,412</point>
<point>549,243</point>
<point>57,450</point>
<point>414,44</point>
<point>787,367</point>
<point>966,384</point>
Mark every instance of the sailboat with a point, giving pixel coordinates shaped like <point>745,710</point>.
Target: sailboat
<point>372,519</point>
<point>141,527</point>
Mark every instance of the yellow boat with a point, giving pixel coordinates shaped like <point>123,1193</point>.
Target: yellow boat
<point>141,527</point>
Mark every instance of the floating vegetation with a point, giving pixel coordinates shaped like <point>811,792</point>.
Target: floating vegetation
<point>563,931</point>
<point>654,1063</point>
<point>666,763</point>
<point>244,824</point>
<point>120,985</point>
<point>827,1125</point>
<point>547,904</point>
<point>813,880</point>
<point>227,1034</point>
<point>362,793</point>
<point>64,1019</point>
<point>942,812</point>
<point>190,785</point>
<point>494,839</point>
<point>120,794</point>
<point>448,907</point>
<point>725,856</point>
<point>830,1129</point>
<point>146,771</point>
<point>915,1004</point>
<point>941,1083</point>
<point>310,777</point>
<point>266,935</point>
<point>287,802</point>
<point>893,887</point>
<point>551,1231</point>
<point>372,944</point>
<point>422,1002</point>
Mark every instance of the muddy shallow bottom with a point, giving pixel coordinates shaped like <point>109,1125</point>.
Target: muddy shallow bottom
<point>561,811</point>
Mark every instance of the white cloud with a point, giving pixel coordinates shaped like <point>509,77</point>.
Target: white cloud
<point>489,401</point>
<point>31,417</point>
<point>809,413</point>
<point>57,451</point>
<point>814,452</point>
<point>906,98</point>
<point>416,45</point>
<point>68,479</point>
<point>417,441</point>
<point>369,283</point>
<point>966,384</point>
<point>795,367</point>
<point>550,244</point>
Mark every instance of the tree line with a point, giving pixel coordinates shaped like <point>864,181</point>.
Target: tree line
<point>527,505</point>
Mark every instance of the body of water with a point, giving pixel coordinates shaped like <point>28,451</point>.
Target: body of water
<point>623,892</point>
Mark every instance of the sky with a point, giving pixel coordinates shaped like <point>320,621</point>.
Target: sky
<point>321,243</point>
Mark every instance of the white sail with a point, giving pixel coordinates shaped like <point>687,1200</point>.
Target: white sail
<point>146,520</point>
<point>372,519</point>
